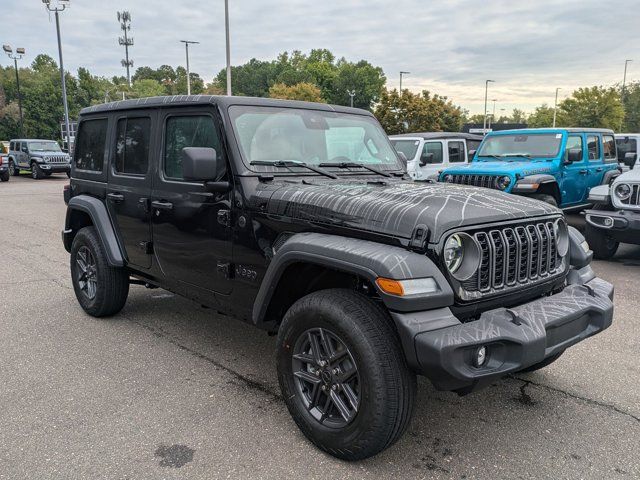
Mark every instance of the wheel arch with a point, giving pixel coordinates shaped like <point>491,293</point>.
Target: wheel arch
<point>84,211</point>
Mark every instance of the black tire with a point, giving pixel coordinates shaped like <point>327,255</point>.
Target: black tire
<point>545,363</point>
<point>109,294</point>
<point>383,385</point>
<point>13,169</point>
<point>36,171</point>
<point>545,198</point>
<point>604,247</point>
<point>5,177</point>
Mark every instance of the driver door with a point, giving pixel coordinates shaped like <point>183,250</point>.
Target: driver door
<point>574,176</point>
<point>431,159</point>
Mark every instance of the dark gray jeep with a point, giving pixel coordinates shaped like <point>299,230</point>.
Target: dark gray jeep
<point>299,219</point>
<point>41,157</point>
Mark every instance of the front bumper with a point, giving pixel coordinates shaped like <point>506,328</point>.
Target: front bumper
<point>622,225</point>
<point>515,338</point>
<point>55,167</point>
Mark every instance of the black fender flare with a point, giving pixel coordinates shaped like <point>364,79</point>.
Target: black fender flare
<point>363,258</point>
<point>97,211</point>
<point>531,183</point>
<point>610,175</point>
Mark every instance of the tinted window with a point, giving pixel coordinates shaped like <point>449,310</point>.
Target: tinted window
<point>594,147</point>
<point>191,131</point>
<point>456,152</point>
<point>90,150</point>
<point>626,145</point>
<point>574,143</point>
<point>434,148</point>
<point>609,147</point>
<point>132,145</point>
<point>408,147</point>
<point>12,145</point>
<point>24,147</point>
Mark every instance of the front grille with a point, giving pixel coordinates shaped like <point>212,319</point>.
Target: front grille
<point>486,181</point>
<point>515,256</point>
<point>57,159</point>
<point>634,199</point>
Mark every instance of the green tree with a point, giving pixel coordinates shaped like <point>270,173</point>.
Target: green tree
<point>147,88</point>
<point>543,117</point>
<point>414,112</point>
<point>363,78</point>
<point>597,107</point>
<point>307,92</point>
<point>631,108</point>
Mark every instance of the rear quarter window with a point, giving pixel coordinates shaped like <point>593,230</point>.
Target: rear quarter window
<point>90,151</point>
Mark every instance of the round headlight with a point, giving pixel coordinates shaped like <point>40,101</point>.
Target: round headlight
<point>623,191</point>
<point>562,237</point>
<point>503,182</point>
<point>46,159</point>
<point>448,178</point>
<point>461,256</point>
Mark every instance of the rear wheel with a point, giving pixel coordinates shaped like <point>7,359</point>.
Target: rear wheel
<point>546,199</point>
<point>100,289</point>
<point>343,374</point>
<point>13,169</point>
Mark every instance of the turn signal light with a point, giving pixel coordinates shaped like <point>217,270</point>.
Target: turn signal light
<point>392,287</point>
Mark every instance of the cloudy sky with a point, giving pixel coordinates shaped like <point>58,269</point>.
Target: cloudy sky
<point>450,47</point>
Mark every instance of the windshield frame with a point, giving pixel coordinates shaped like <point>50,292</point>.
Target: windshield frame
<point>44,142</point>
<point>511,157</point>
<point>396,166</point>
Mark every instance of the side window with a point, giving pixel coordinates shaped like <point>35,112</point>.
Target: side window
<point>609,147</point>
<point>90,145</point>
<point>189,131</point>
<point>593,144</point>
<point>12,146</point>
<point>132,145</point>
<point>24,147</point>
<point>434,148</point>
<point>574,142</point>
<point>456,152</point>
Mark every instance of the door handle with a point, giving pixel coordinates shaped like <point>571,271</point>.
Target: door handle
<point>583,172</point>
<point>599,169</point>
<point>162,205</point>
<point>115,197</point>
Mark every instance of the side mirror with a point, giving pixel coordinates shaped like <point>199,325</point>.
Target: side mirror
<point>629,159</point>
<point>471,154</point>
<point>573,155</point>
<point>426,158</point>
<point>199,164</point>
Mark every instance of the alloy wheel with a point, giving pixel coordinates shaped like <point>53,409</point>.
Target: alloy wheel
<point>87,273</point>
<point>326,377</point>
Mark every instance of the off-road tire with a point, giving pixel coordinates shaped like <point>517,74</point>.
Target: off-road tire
<point>545,198</point>
<point>5,177</point>
<point>112,286</point>
<point>604,247</point>
<point>545,363</point>
<point>387,387</point>
<point>14,169</point>
<point>36,171</point>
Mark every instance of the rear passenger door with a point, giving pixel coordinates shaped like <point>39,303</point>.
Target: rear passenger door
<point>574,175</point>
<point>129,190</point>
<point>457,152</point>
<point>599,153</point>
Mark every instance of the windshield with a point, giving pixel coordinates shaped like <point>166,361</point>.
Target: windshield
<point>273,134</point>
<point>408,147</point>
<point>44,147</point>
<point>521,145</point>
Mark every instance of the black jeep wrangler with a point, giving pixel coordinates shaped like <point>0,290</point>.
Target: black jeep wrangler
<point>298,218</point>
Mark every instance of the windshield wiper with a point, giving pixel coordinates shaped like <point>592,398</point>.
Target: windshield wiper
<point>523,155</point>
<point>356,165</point>
<point>294,163</point>
<point>489,155</point>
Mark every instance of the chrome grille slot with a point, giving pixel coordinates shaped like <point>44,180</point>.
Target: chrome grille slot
<point>514,256</point>
<point>486,181</point>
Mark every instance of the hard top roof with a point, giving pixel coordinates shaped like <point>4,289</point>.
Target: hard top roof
<point>33,140</point>
<point>223,101</point>
<point>557,129</point>
<point>436,135</point>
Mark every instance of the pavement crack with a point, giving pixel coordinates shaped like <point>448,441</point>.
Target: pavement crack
<point>590,401</point>
<point>248,382</point>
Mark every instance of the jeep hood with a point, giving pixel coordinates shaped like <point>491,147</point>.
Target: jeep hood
<point>523,168</point>
<point>395,207</point>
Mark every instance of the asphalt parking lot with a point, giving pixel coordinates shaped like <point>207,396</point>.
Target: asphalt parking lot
<point>167,389</point>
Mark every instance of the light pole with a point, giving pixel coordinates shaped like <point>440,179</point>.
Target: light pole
<point>351,93</point>
<point>186,46</point>
<point>60,6</point>
<point>125,24</point>
<point>486,91</point>
<point>624,84</point>
<point>555,107</point>
<point>15,57</point>
<point>401,74</point>
<point>493,115</point>
<point>226,28</point>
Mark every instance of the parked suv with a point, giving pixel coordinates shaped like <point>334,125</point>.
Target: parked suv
<point>41,157</point>
<point>558,166</point>
<point>298,218</point>
<point>627,145</point>
<point>615,217</point>
<point>431,152</point>
<point>4,168</point>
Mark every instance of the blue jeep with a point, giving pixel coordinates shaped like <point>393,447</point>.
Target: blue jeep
<point>556,165</point>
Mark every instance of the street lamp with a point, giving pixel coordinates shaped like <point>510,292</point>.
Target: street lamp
<point>351,93</point>
<point>401,74</point>
<point>186,46</point>
<point>226,28</point>
<point>624,83</point>
<point>493,115</point>
<point>486,91</point>
<point>555,107</point>
<point>15,57</point>
<point>57,7</point>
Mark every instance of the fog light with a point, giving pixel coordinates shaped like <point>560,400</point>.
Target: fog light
<point>608,222</point>
<point>480,357</point>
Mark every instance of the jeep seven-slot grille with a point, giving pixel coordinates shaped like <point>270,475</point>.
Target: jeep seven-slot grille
<point>512,256</point>
<point>57,159</point>
<point>487,181</point>
<point>634,199</point>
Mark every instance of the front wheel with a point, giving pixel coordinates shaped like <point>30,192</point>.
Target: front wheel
<point>36,171</point>
<point>343,374</point>
<point>546,199</point>
<point>603,245</point>
<point>100,289</point>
